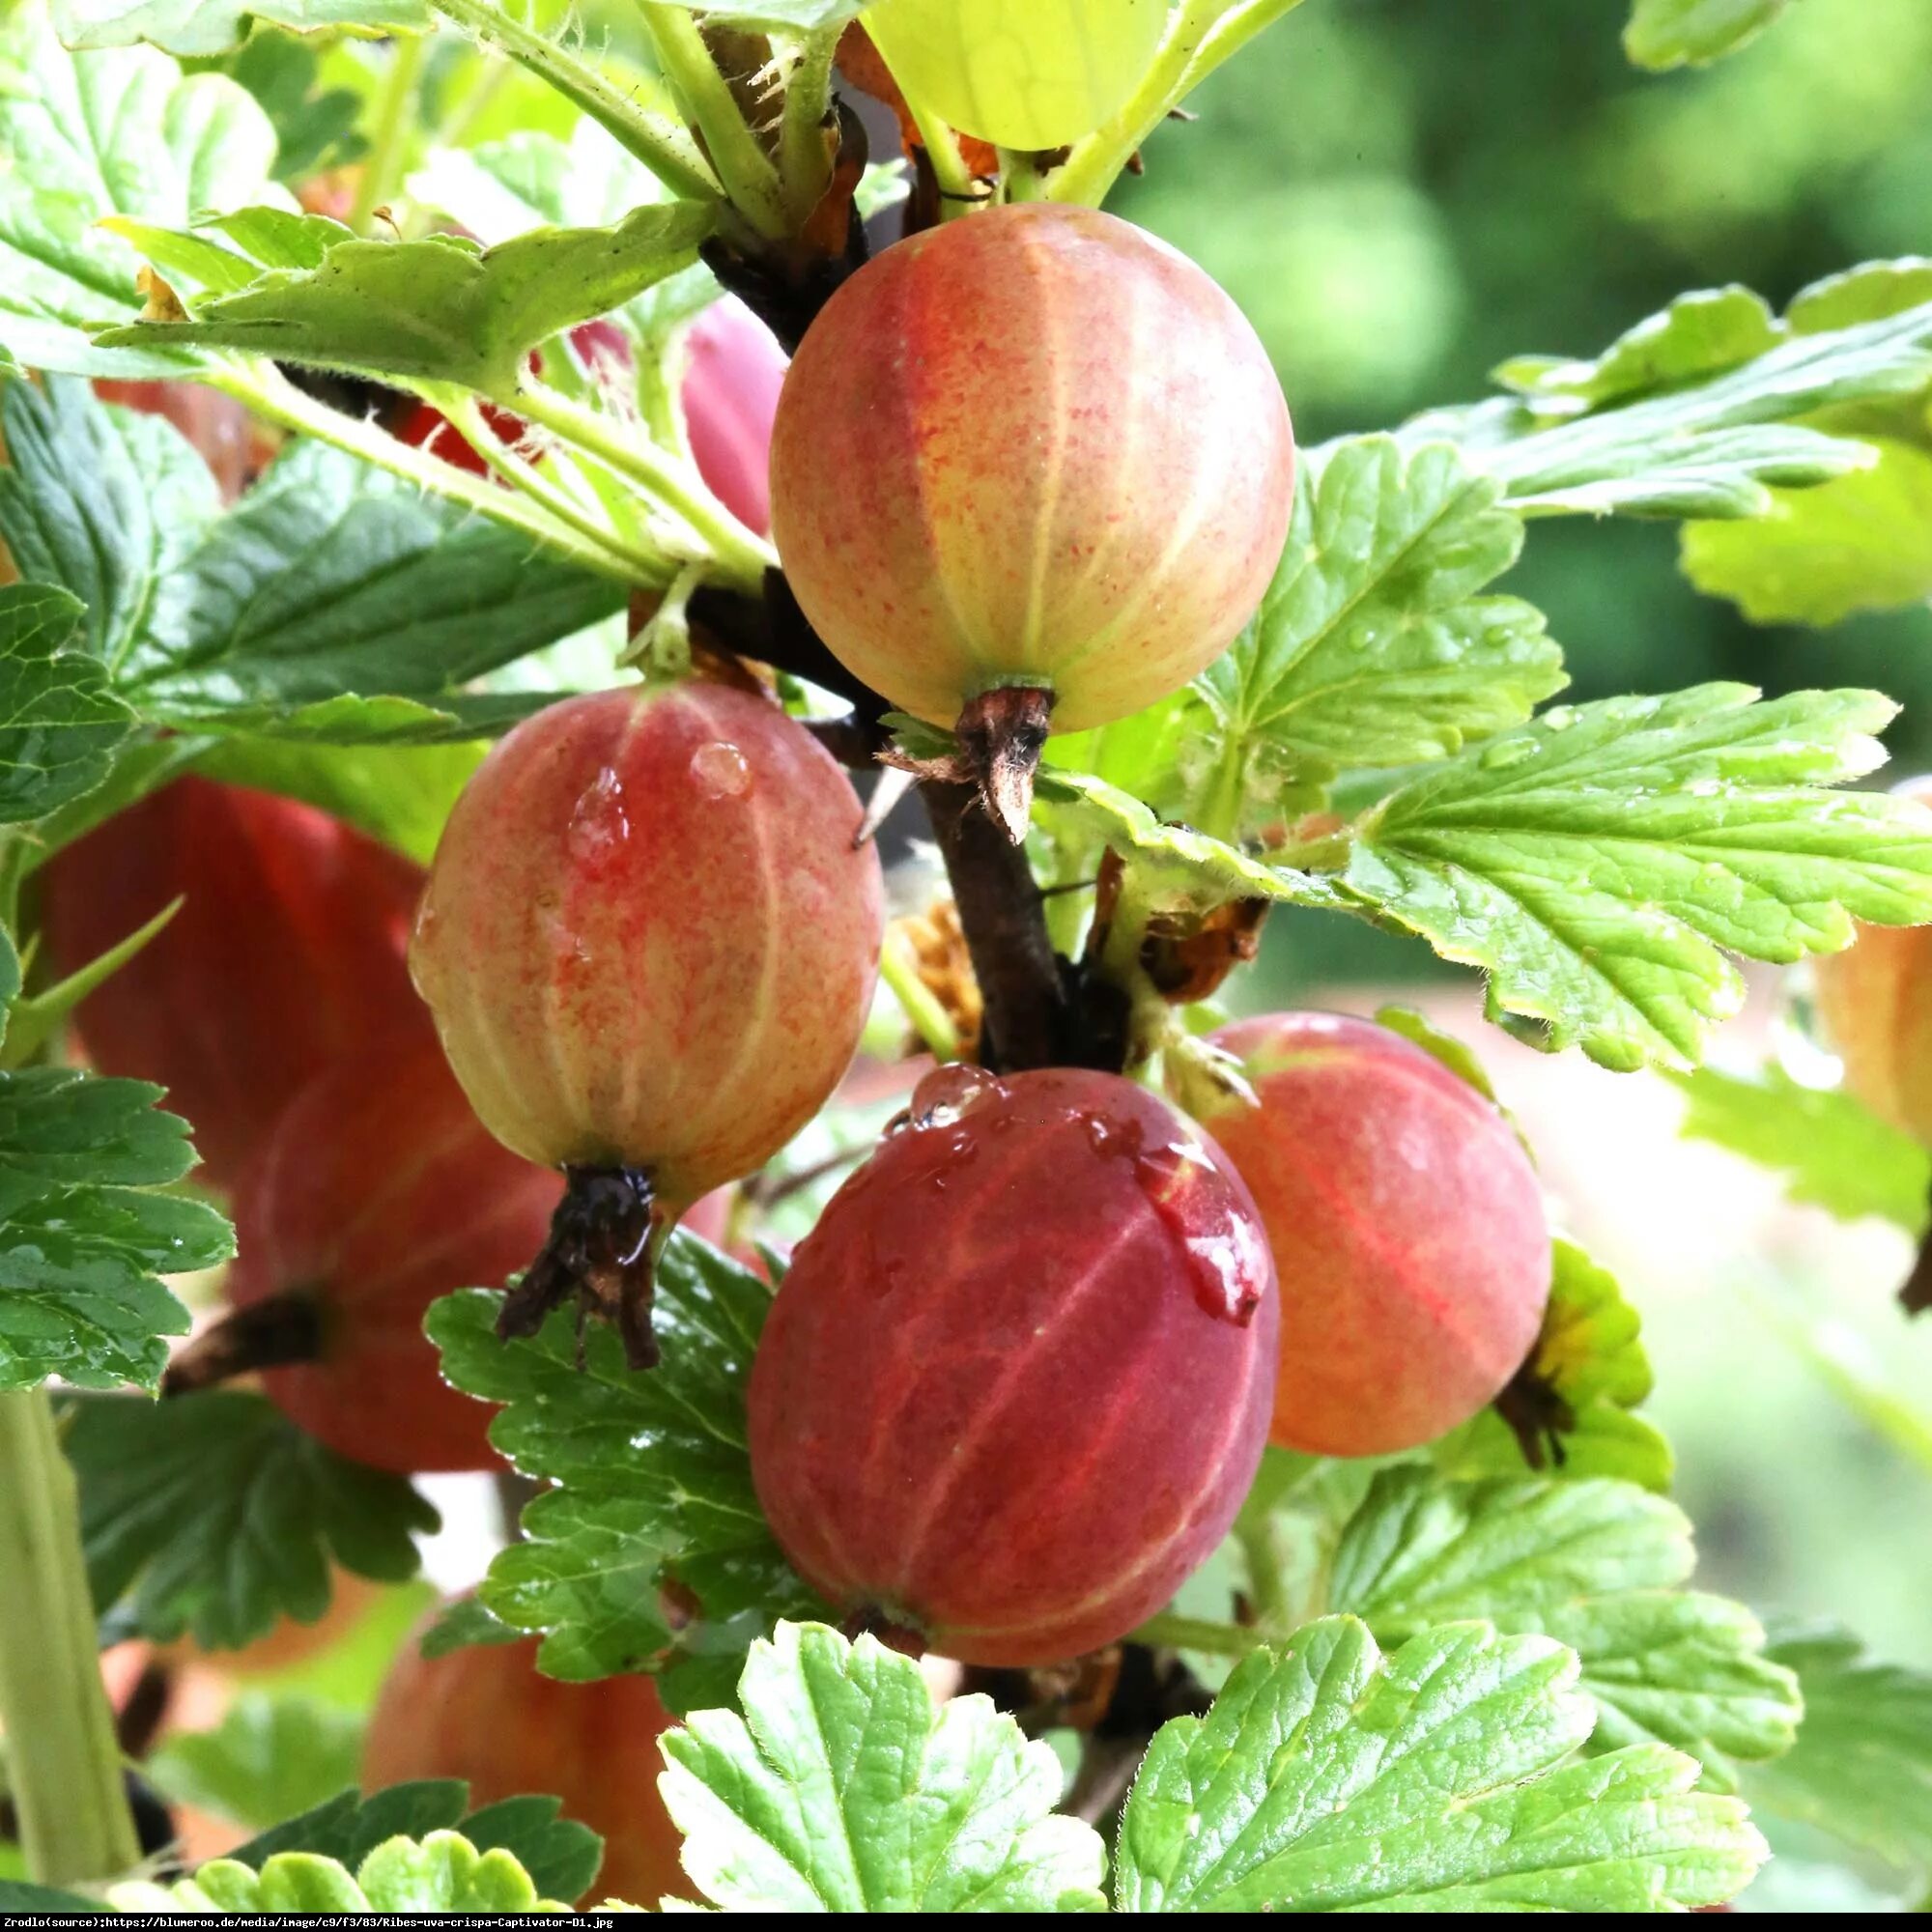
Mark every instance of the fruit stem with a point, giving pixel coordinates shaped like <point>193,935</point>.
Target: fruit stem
<point>805,158</point>
<point>64,1764</point>
<point>734,150</point>
<point>1169,1631</point>
<point>33,1020</point>
<point>1002,732</point>
<point>275,1332</point>
<point>601,1254</point>
<point>665,148</point>
<point>382,172</point>
<point>1199,39</point>
<point>928,1017</point>
<point>741,558</point>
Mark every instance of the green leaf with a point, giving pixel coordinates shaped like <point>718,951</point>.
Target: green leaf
<point>1675,32</point>
<point>107,502</point>
<point>1595,1564</point>
<point>94,134</point>
<point>82,1239</point>
<point>315,123</point>
<point>562,1857</point>
<point>268,1758</point>
<point>841,1789</point>
<point>1595,862</point>
<point>442,310</point>
<point>1330,1779</point>
<point>443,1873</point>
<point>58,721</point>
<point>467,1621</point>
<point>213,1513</point>
<point>1833,1152</point>
<point>331,578</point>
<point>786,15</point>
<point>1867,293</point>
<point>1861,543</point>
<point>1589,1357</point>
<point>652,1480</point>
<point>16,1895</point>
<point>1698,336</point>
<point>214,26</point>
<point>1371,647</point>
<point>1861,1768</point>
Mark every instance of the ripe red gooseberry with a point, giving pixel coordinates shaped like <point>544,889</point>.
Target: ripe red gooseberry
<point>1017,1382</point>
<point>377,1192</point>
<point>1030,463</point>
<point>1408,1228</point>
<point>649,942</point>
<point>288,951</point>
<point>486,1714</point>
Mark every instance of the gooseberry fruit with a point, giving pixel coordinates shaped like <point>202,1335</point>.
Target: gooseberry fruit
<point>377,1192</point>
<point>288,951</point>
<point>731,396</point>
<point>1408,1230</point>
<point>1032,463</point>
<point>1017,1382</point>
<point>649,942</point>
<point>1874,1008</point>
<point>485,1714</point>
<point>220,428</point>
<point>1023,73</point>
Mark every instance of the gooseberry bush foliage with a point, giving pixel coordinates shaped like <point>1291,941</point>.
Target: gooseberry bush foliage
<point>384,390</point>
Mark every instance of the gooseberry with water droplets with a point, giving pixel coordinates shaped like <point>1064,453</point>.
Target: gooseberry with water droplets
<point>1408,1228</point>
<point>1030,465</point>
<point>1017,1382</point>
<point>649,942</point>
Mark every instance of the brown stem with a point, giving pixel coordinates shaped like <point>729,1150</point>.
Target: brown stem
<point>602,1255</point>
<point>1003,731</point>
<point>273,1333</point>
<point>1915,1297</point>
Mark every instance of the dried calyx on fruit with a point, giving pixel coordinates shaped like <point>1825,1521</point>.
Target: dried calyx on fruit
<point>1017,1382</point>
<point>288,951</point>
<point>1406,1223</point>
<point>377,1192</point>
<point>1031,470</point>
<point>649,942</point>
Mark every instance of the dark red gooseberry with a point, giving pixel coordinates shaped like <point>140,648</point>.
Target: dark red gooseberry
<point>289,951</point>
<point>1015,1385</point>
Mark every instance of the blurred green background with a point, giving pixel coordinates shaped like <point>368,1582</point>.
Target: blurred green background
<point>1402,193</point>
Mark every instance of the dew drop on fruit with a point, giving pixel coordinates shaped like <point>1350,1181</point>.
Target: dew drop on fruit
<point>1227,1257</point>
<point>599,821</point>
<point>949,1092</point>
<point>720,769</point>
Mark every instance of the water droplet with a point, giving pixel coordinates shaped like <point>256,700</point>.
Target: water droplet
<point>949,1091</point>
<point>599,821</point>
<point>720,769</point>
<point>1508,752</point>
<point>1227,1256</point>
<point>1559,717</point>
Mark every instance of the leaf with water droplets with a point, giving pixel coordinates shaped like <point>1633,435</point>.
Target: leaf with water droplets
<point>1600,864</point>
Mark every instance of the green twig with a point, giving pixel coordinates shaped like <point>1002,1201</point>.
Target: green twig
<point>740,159</point>
<point>64,1765</point>
<point>1202,36</point>
<point>395,117</point>
<point>805,161</point>
<point>741,558</point>
<point>663,146</point>
<point>32,1022</point>
<point>924,1011</point>
<point>1169,1631</point>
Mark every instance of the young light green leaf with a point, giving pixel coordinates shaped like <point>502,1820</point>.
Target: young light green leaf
<point>1330,1779</point>
<point>214,1515</point>
<point>1861,1768</point>
<point>1698,336</point>
<point>1664,34</point>
<point>58,721</point>
<point>842,1789</point>
<point>1834,1153</point>
<point>214,26</point>
<point>107,502</point>
<point>1372,646</point>
<point>94,134</point>
<point>1569,1412</point>
<point>1861,543</point>
<point>268,1758</point>
<point>1596,861</point>
<point>1594,1564</point>
<point>443,309</point>
<point>652,1480</point>
<point>83,1239</point>
<point>1867,293</point>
